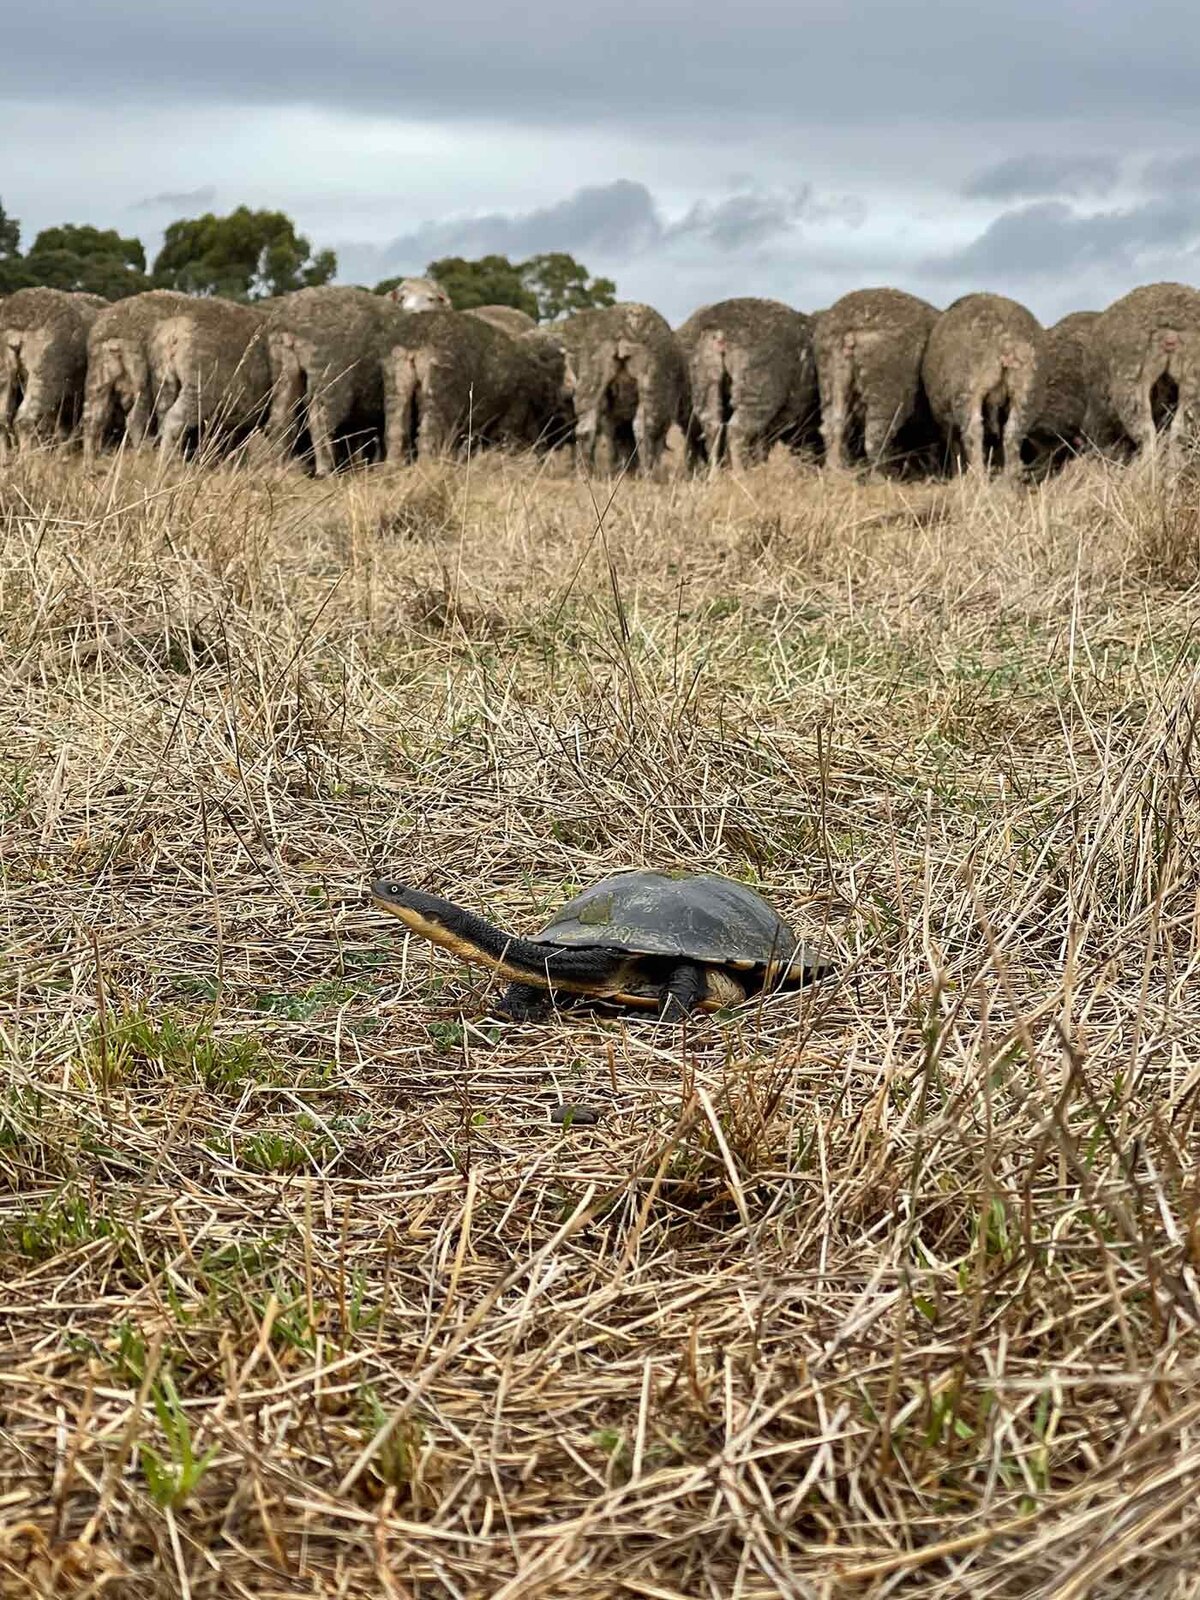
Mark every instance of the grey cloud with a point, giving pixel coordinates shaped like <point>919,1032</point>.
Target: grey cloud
<point>848,209</point>
<point>607,219</point>
<point>1171,174</point>
<point>1052,238</point>
<point>870,61</point>
<point>611,221</point>
<point>1038,175</point>
<point>743,220</point>
<point>203,197</point>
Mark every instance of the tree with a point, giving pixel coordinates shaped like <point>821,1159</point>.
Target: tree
<point>10,235</point>
<point>12,268</point>
<point>247,255</point>
<point>490,281</point>
<point>561,286</point>
<point>93,260</point>
<point>546,287</point>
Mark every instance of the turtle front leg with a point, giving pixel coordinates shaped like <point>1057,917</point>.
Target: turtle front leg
<point>682,992</point>
<point>525,1002</point>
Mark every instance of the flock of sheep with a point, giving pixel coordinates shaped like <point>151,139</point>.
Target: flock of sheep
<point>338,373</point>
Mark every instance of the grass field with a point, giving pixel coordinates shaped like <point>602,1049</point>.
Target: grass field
<point>890,1288</point>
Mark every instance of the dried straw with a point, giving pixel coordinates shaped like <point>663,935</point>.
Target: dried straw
<point>887,1290</point>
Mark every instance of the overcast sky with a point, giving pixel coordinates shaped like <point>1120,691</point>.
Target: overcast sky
<point>1047,150</point>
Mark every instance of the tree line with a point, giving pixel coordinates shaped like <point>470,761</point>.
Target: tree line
<point>251,255</point>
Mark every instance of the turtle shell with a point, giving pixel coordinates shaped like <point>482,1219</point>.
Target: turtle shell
<point>700,918</point>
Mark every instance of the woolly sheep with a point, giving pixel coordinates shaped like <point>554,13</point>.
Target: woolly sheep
<point>752,377</point>
<point>1144,367</point>
<point>322,349</point>
<point>631,383</point>
<point>119,393</point>
<point>449,377</point>
<point>869,347</point>
<point>980,372</point>
<point>210,373</point>
<point>419,294</point>
<point>507,318</point>
<point>1061,408</point>
<point>43,361</point>
<point>552,355</point>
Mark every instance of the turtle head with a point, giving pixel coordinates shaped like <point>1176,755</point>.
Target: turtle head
<point>585,971</point>
<point>442,922</point>
<point>438,920</point>
<point>391,894</point>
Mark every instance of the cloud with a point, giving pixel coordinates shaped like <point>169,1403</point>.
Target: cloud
<point>741,221</point>
<point>1052,238</point>
<point>750,219</point>
<point>200,199</point>
<point>1171,174</point>
<point>1035,176</point>
<point>504,123</point>
<point>617,221</point>
<point>607,219</point>
<point>790,68</point>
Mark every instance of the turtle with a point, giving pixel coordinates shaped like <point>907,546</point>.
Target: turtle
<point>655,940</point>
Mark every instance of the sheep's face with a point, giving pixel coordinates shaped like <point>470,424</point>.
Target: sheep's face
<point>420,294</point>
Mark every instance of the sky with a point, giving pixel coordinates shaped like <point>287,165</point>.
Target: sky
<point>1049,151</point>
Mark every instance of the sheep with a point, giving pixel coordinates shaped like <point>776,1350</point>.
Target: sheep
<point>43,362</point>
<point>507,318</point>
<point>980,372</point>
<point>210,372</point>
<point>325,374</point>
<point>449,378</point>
<point>1061,406</point>
<point>419,294</point>
<point>631,383</point>
<point>1144,367</point>
<point>119,392</point>
<point>547,351</point>
<point>752,377</point>
<point>869,347</point>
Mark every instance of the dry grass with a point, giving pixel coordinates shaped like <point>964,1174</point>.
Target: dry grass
<point>891,1291</point>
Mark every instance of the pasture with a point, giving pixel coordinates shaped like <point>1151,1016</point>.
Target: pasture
<point>888,1288</point>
